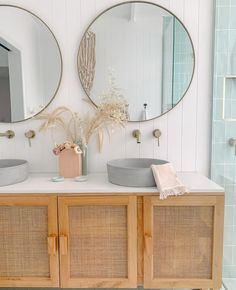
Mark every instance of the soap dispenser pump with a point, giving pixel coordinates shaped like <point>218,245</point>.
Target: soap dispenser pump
<point>145,112</point>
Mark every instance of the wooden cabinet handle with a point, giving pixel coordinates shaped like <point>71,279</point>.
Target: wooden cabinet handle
<point>148,244</point>
<point>63,245</point>
<point>52,245</point>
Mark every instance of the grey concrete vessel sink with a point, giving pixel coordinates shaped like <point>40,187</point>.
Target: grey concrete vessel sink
<point>135,172</point>
<point>13,171</point>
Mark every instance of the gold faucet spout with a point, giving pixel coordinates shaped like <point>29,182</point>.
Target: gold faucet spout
<point>9,134</point>
<point>137,135</point>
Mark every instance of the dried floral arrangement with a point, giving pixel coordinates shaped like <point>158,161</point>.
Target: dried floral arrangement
<point>67,145</point>
<point>109,113</point>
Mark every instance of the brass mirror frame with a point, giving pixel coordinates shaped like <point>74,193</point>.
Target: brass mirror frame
<point>154,4</point>
<point>60,54</point>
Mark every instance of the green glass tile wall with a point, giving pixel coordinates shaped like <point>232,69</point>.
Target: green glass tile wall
<point>223,165</point>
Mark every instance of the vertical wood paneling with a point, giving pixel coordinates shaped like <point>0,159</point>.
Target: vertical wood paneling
<point>190,100</point>
<point>161,152</point>
<point>174,131</point>
<point>204,72</point>
<point>185,130</point>
<point>147,147</point>
<point>175,117</point>
<point>132,149</point>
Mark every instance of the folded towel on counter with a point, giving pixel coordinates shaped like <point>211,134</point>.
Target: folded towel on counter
<point>167,181</point>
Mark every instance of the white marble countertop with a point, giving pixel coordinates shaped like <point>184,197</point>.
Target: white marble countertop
<point>98,184</point>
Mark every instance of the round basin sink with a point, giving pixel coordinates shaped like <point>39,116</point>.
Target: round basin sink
<point>13,171</point>
<point>135,172</point>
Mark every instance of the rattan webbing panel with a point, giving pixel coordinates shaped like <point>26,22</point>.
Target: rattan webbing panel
<point>98,241</point>
<point>23,241</point>
<point>182,241</point>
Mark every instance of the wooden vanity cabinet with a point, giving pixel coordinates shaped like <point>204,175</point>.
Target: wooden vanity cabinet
<point>111,241</point>
<point>183,242</point>
<point>28,243</point>
<point>98,242</point>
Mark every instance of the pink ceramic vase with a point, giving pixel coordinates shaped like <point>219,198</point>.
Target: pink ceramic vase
<point>70,163</point>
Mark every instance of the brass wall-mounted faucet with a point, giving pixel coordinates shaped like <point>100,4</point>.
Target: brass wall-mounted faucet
<point>157,134</point>
<point>9,134</point>
<point>137,134</point>
<point>30,135</point>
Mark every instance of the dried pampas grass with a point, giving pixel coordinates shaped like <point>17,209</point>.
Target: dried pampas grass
<point>111,112</point>
<point>62,118</point>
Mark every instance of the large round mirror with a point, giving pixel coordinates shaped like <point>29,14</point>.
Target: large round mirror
<point>30,64</point>
<point>148,52</point>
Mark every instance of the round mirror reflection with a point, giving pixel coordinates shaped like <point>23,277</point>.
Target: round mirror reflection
<point>30,64</point>
<point>147,50</point>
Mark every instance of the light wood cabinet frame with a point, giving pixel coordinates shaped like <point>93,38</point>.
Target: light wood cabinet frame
<point>217,202</point>
<point>51,203</point>
<point>71,282</point>
<point>140,215</point>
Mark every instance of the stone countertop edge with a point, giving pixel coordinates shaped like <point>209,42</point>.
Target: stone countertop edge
<point>98,183</point>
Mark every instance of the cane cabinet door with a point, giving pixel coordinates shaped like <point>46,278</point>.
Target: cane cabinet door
<point>28,244</point>
<point>183,242</point>
<point>98,242</point>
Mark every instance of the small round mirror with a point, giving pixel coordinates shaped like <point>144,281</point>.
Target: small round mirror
<point>30,64</point>
<point>147,51</point>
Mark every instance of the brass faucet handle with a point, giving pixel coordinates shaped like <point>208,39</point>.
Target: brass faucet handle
<point>157,134</point>
<point>30,135</point>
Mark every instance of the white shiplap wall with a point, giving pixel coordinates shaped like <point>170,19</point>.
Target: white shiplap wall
<point>185,130</point>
